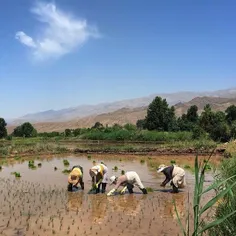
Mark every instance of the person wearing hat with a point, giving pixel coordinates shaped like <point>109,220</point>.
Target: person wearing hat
<point>99,174</point>
<point>174,174</point>
<point>75,177</point>
<point>127,181</point>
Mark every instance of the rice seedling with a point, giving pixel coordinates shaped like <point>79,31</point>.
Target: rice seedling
<point>17,174</point>
<point>39,164</point>
<point>31,164</point>
<point>66,171</point>
<point>142,161</point>
<point>122,172</point>
<point>187,166</point>
<point>55,168</point>
<point>89,157</point>
<point>173,162</point>
<point>66,162</point>
<point>115,168</point>
<point>149,189</point>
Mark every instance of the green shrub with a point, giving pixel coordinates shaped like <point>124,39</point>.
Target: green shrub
<point>66,162</point>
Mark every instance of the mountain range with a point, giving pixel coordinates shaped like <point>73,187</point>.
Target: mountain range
<point>81,111</point>
<point>122,112</point>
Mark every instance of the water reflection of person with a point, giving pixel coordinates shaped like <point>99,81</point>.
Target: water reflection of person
<point>128,204</point>
<point>169,206</point>
<point>74,201</point>
<point>98,208</point>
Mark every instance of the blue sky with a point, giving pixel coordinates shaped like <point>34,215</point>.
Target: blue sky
<point>69,52</point>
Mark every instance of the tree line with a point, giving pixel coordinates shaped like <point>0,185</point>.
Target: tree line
<point>217,125</point>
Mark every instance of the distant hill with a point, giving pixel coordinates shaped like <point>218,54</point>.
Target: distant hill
<point>217,104</point>
<point>93,110</point>
<point>130,115</point>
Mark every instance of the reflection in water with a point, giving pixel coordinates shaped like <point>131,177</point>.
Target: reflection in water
<point>98,208</point>
<point>128,204</point>
<point>75,200</point>
<point>169,208</point>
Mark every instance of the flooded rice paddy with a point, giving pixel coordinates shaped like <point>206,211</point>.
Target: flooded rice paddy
<point>38,203</point>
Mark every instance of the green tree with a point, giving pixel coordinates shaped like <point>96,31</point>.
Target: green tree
<point>25,130</point>
<point>98,125</point>
<point>130,127</point>
<point>3,129</point>
<point>233,130</point>
<point>140,124</point>
<point>159,115</point>
<point>231,114</point>
<point>206,118</point>
<point>192,115</point>
<point>220,132</point>
<point>68,132</point>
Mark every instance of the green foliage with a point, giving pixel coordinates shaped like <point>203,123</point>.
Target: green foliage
<point>172,162</point>
<point>200,226</point>
<point>98,125</point>
<point>198,133</point>
<point>142,161</point>
<point>122,172</point>
<point>3,129</point>
<point>31,164</point>
<point>187,167</point>
<point>192,115</point>
<point>66,162</point>
<point>159,115</point>
<point>66,171</point>
<point>220,132</point>
<point>231,114</point>
<point>89,157</point>
<point>25,130</point>
<point>115,168</point>
<point>227,204</point>
<point>140,124</point>
<point>130,127</point>
<point>149,189</point>
<point>68,132</point>
<point>17,174</point>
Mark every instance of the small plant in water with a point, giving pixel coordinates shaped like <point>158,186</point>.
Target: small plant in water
<point>31,164</point>
<point>122,172</point>
<point>142,161</point>
<point>187,167</point>
<point>173,162</point>
<point>89,157</point>
<point>39,164</point>
<point>66,163</point>
<point>55,168</point>
<point>17,174</point>
<point>66,171</point>
<point>149,189</point>
<point>115,168</point>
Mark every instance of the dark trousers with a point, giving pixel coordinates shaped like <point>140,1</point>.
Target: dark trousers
<point>103,188</point>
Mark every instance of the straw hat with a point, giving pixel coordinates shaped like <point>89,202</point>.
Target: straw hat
<point>73,178</point>
<point>112,179</point>
<point>161,168</point>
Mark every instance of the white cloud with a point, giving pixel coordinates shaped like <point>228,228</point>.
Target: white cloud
<point>61,32</point>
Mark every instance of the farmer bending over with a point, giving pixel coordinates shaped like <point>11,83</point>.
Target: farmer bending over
<point>99,177</point>
<point>174,174</point>
<point>75,177</point>
<point>127,181</point>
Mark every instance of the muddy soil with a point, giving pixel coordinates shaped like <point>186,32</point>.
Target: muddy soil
<point>39,204</point>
